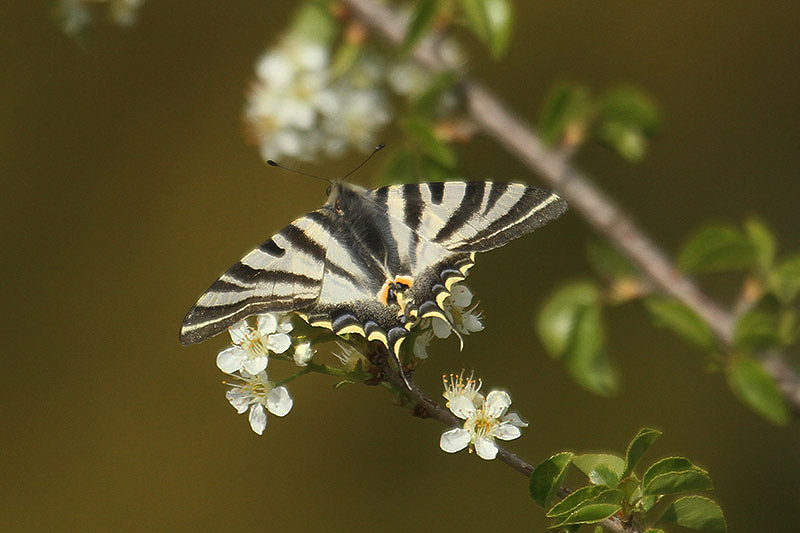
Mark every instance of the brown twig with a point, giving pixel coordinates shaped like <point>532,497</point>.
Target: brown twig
<point>592,203</point>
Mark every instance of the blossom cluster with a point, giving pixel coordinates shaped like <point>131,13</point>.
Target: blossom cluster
<point>246,361</point>
<point>297,107</point>
<point>484,417</point>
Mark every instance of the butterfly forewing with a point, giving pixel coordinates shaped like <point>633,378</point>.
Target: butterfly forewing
<point>283,274</point>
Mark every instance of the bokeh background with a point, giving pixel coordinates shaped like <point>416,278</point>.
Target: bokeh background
<point>127,188</point>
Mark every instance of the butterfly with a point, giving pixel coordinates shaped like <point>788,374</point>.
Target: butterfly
<point>373,261</point>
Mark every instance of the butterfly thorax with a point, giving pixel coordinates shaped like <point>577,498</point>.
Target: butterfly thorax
<point>362,224</point>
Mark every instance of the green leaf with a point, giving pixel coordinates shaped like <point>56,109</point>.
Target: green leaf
<point>420,130</point>
<point>580,497</point>
<point>571,329</point>
<point>557,319</point>
<point>674,475</point>
<point>630,487</point>
<point>491,21</point>
<point>675,316</point>
<point>600,467</point>
<point>692,480</point>
<point>637,447</point>
<point>566,109</point>
<point>750,383</point>
<point>626,118</point>
<point>630,106</point>
<point>695,512</point>
<point>589,514</point>
<point>587,360</point>
<point>547,477</point>
<point>654,530</point>
<point>756,330</point>
<point>784,280</point>
<point>344,383</point>
<point>609,262</point>
<point>717,249</point>
<point>402,167</point>
<point>420,24</point>
<point>669,464</point>
<point>646,503</point>
<point>763,241</point>
<point>314,22</point>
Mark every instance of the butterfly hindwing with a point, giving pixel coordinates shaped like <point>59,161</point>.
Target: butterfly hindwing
<point>373,262</point>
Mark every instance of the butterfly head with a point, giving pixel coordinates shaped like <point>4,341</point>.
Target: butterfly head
<point>342,195</point>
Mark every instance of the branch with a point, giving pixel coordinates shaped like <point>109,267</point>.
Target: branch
<point>436,411</point>
<point>583,195</point>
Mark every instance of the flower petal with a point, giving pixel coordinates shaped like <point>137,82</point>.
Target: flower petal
<point>497,402</point>
<point>285,324</point>
<point>486,449</point>
<point>471,323</point>
<point>454,440</point>
<point>461,296</point>
<point>441,328</point>
<point>257,364</point>
<point>506,431</point>
<point>230,359</point>
<point>267,324</point>
<point>238,400</point>
<point>421,344</point>
<point>239,331</point>
<point>513,418</point>
<point>279,402</point>
<point>461,405</point>
<point>279,342</point>
<point>258,418</point>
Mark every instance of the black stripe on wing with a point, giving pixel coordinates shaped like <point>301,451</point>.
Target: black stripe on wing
<point>535,208</point>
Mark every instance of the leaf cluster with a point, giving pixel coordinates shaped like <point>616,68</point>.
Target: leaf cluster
<point>664,491</point>
<point>570,323</point>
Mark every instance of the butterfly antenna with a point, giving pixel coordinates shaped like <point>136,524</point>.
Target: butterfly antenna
<point>364,162</point>
<point>273,163</point>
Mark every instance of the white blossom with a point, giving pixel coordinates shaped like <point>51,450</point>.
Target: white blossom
<point>251,346</point>
<point>456,306</point>
<point>303,353</point>
<point>360,115</point>
<point>296,107</point>
<point>257,393</point>
<point>485,420</point>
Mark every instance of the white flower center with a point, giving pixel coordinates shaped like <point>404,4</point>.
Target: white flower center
<point>255,344</point>
<point>481,425</point>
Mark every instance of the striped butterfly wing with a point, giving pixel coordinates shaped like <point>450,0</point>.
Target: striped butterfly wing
<point>283,274</point>
<point>443,225</point>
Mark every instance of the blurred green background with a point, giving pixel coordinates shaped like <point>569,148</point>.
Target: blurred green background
<point>127,189</point>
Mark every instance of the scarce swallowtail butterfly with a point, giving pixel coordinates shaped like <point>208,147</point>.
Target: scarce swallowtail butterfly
<point>373,262</point>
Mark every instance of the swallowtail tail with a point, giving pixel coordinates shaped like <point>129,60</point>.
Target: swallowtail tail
<point>372,262</point>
